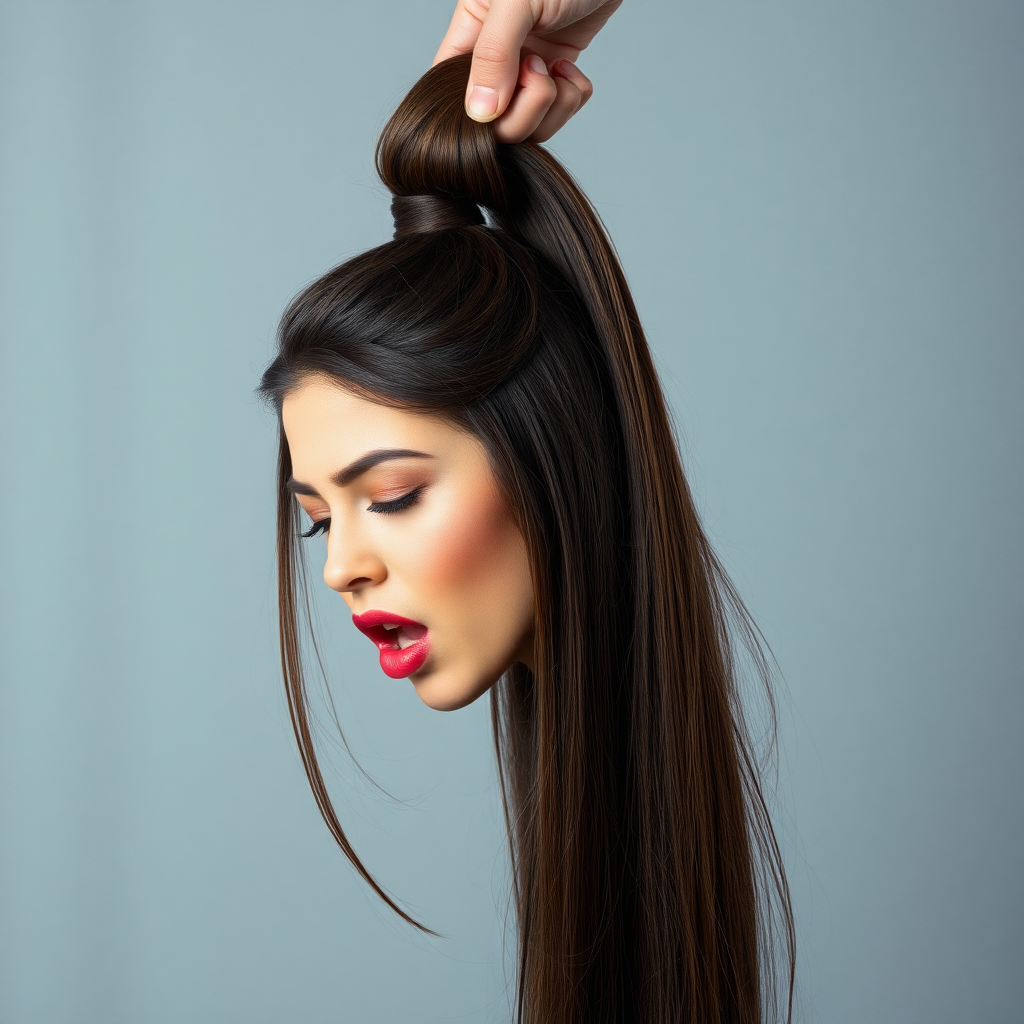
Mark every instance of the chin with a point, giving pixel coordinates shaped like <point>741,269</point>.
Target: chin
<point>445,691</point>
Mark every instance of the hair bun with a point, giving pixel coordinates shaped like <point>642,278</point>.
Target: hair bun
<point>416,214</point>
<point>432,147</point>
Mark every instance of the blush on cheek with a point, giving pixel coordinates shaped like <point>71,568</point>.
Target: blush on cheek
<point>475,541</point>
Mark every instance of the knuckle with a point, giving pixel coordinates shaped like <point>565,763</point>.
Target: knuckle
<point>489,54</point>
<point>570,96</point>
<point>549,87</point>
<point>503,135</point>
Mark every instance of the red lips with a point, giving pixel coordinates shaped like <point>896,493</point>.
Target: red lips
<point>396,661</point>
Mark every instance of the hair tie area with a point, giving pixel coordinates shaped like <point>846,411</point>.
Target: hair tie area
<point>416,214</point>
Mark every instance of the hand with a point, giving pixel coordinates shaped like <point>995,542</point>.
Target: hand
<point>527,98</point>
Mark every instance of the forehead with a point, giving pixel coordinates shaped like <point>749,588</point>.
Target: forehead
<point>328,427</point>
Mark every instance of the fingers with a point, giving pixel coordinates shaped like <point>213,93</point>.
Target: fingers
<point>574,89</point>
<point>535,96</point>
<point>543,102</point>
<point>495,69</point>
<point>462,33</point>
<point>528,101</point>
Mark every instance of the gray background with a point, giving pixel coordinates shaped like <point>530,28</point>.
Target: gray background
<point>819,207</point>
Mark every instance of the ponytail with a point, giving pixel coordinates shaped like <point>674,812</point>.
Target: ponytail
<point>648,883</point>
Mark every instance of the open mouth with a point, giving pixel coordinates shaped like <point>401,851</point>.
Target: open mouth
<point>403,643</point>
<point>400,637</point>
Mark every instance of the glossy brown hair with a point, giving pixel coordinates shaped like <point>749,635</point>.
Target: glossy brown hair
<point>647,880</point>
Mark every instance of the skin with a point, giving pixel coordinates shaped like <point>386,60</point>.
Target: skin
<point>453,561</point>
<point>523,77</point>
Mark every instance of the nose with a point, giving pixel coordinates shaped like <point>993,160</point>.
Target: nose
<point>351,564</point>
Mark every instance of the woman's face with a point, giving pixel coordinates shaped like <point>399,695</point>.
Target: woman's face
<point>420,543</point>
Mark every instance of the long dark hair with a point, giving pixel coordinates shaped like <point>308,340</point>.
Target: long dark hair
<point>647,880</point>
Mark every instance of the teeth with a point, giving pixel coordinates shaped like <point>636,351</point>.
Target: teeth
<point>401,636</point>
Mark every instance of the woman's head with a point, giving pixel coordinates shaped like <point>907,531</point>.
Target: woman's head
<point>420,541</point>
<point>559,550</point>
<point>459,332</point>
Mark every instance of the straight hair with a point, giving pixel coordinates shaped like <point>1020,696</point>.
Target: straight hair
<point>647,881</point>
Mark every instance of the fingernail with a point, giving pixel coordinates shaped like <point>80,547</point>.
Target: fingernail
<point>534,63</point>
<point>482,103</point>
<point>560,67</point>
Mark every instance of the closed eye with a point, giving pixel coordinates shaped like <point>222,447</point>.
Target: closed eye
<point>399,504</point>
<point>385,507</point>
<point>320,526</point>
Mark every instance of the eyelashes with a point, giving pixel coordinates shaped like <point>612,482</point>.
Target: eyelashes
<point>399,504</point>
<point>320,526</point>
<point>383,507</point>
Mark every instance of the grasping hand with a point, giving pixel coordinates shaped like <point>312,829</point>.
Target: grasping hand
<point>527,98</point>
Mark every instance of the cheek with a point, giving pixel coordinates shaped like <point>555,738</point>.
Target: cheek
<point>473,549</point>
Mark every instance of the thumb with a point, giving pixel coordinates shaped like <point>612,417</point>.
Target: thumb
<point>495,69</point>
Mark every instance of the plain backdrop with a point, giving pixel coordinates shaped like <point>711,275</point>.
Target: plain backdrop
<point>820,209</point>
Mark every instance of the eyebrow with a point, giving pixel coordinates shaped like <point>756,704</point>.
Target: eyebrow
<point>356,469</point>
